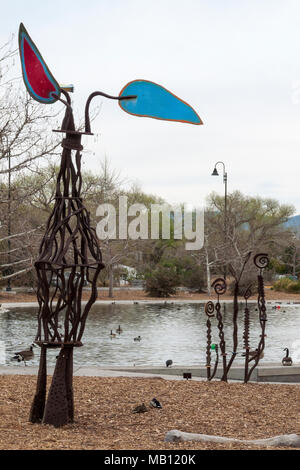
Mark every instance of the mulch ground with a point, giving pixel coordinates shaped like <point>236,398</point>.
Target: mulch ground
<point>104,418</point>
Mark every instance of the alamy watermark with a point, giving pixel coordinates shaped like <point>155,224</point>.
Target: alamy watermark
<point>160,221</point>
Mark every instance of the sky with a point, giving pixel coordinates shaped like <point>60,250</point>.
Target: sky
<point>236,62</point>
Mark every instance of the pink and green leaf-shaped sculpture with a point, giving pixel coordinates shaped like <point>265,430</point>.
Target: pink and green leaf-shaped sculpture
<point>155,101</point>
<point>39,81</point>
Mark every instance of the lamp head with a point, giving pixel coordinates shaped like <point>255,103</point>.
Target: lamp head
<point>215,172</point>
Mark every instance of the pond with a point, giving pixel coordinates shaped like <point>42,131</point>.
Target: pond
<point>168,331</point>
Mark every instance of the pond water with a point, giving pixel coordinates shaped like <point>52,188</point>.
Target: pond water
<point>172,331</point>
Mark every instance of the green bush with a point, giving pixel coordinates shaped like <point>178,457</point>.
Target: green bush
<point>161,282</point>
<point>287,285</point>
<point>193,278</point>
<point>189,273</point>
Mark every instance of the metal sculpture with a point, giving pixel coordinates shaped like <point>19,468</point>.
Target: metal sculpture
<point>69,253</point>
<point>261,261</point>
<point>209,310</point>
<point>246,332</point>
<point>220,288</point>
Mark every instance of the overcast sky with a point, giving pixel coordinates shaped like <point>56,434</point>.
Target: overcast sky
<point>237,62</point>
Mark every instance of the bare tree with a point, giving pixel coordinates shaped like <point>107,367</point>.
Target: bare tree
<point>253,224</point>
<point>26,143</point>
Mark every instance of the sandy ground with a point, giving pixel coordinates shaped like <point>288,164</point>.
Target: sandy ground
<point>104,417</point>
<point>141,295</point>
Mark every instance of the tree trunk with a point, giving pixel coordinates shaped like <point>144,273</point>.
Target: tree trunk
<point>285,440</point>
<point>208,278</point>
<point>111,282</point>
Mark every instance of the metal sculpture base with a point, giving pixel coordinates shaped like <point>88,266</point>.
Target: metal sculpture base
<point>59,408</point>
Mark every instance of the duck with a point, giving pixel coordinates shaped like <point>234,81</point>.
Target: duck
<point>253,355</point>
<point>138,338</point>
<point>119,329</point>
<point>169,362</point>
<point>140,408</point>
<point>112,335</point>
<point>25,355</point>
<point>155,403</point>
<point>287,361</point>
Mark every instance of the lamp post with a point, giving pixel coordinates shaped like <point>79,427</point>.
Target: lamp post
<point>8,287</point>
<point>215,173</point>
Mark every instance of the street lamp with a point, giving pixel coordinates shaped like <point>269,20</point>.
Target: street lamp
<point>215,173</point>
<point>8,288</point>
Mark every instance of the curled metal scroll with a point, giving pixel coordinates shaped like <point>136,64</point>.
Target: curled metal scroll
<point>261,260</point>
<point>209,308</point>
<point>219,286</point>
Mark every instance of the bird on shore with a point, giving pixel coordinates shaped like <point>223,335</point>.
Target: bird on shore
<point>25,355</point>
<point>119,329</point>
<point>155,403</point>
<point>169,362</point>
<point>287,360</point>
<point>112,335</point>
<point>140,408</point>
<point>137,338</point>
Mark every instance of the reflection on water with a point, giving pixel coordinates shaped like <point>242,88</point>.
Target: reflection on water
<point>173,331</point>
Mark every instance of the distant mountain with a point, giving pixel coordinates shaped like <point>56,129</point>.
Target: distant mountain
<point>293,222</point>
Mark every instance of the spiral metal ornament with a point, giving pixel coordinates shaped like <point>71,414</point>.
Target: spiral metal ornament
<point>261,260</point>
<point>219,286</point>
<point>209,308</point>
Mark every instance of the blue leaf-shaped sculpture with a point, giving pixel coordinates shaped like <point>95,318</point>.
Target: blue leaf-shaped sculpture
<point>154,101</point>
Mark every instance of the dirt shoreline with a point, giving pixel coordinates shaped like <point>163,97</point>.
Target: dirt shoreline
<point>249,411</point>
<point>136,295</point>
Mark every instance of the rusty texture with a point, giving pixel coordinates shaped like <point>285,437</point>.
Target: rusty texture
<point>220,288</point>
<point>261,261</point>
<point>209,310</point>
<point>69,257</point>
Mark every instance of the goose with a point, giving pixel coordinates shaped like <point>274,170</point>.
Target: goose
<point>119,329</point>
<point>112,335</point>
<point>287,361</point>
<point>138,338</point>
<point>25,355</point>
<point>155,403</point>
<point>169,362</point>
